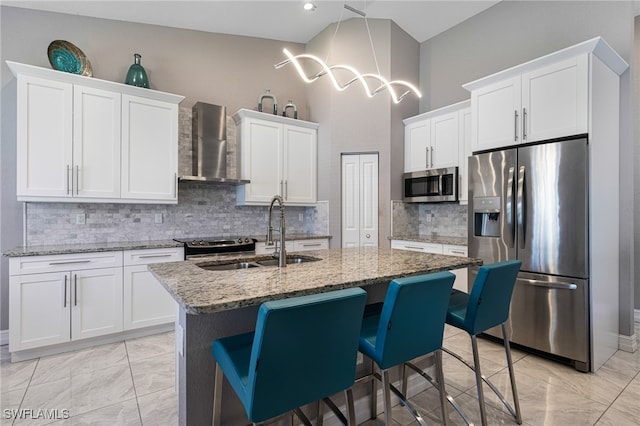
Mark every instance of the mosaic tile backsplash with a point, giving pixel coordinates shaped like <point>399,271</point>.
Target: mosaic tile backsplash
<point>446,219</point>
<point>202,210</point>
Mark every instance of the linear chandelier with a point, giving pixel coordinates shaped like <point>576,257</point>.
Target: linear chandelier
<point>381,82</point>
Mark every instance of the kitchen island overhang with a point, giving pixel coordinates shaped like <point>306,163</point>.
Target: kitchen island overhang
<point>214,304</point>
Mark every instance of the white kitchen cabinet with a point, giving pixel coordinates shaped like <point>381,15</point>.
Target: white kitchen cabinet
<point>149,149</point>
<point>91,140</point>
<point>80,296</point>
<point>436,248</point>
<point>279,157</point>
<point>417,144</point>
<point>146,301</point>
<point>464,151</point>
<point>431,141</point>
<point>295,245</point>
<point>545,102</point>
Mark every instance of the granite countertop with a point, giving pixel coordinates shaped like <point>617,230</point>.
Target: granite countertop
<point>89,248</point>
<point>439,239</point>
<point>201,291</point>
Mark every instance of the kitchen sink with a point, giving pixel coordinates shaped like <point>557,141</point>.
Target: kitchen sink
<point>230,266</point>
<point>290,260</point>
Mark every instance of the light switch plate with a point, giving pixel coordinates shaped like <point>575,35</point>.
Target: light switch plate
<point>158,218</point>
<point>81,219</point>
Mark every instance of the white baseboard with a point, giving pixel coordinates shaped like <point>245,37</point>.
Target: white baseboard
<point>636,315</point>
<point>4,337</point>
<point>628,343</point>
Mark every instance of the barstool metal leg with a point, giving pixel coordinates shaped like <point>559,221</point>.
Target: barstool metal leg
<point>217,395</point>
<point>320,413</point>
<point>443,393</point>
<point>512,374</point>
<point>476,365</point>
<point>374,394</point>
<point>351,408</point>
<point>386,393</point>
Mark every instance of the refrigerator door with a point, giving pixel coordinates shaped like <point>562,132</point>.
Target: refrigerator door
<point>491,213</point>
<point>552,208</point>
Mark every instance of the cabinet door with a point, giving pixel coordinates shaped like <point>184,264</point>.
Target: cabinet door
<point>417,143</point>
<point>444,141</point>
<point>39,311</point>
<point>44,137</point>
<point>149,149</point>
<point>96,305</point>
<point>315,244</point>
<point>554,100</point>
<point>261,160</point>
<point>496,114</point>
<point>146,302</point>
<point>300,165</point>
<point>96,147</point>
<point>464,151</point>
<point>433,248</point>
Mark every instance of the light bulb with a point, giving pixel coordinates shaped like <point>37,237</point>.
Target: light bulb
<point>309,6</point>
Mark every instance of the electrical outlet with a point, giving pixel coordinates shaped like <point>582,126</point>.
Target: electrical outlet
<point>300,217</point>
<point>428,217</point>
<point>81,219</point>
<point>158,218</point>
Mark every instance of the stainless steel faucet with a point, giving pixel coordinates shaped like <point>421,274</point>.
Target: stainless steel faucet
<point>282,254</point>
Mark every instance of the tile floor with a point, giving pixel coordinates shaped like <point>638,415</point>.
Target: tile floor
<point>131,383</point>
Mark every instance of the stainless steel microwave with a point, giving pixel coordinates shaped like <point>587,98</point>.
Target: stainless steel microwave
<point>431,186</point>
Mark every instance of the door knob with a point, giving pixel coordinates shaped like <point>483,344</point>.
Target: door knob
<point>368,235</point>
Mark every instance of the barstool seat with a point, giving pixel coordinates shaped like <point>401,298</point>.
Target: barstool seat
<point>303,349</point>
<point>409,324</point>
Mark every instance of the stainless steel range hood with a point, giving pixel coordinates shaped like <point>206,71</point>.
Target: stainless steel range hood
<point>209,140</point>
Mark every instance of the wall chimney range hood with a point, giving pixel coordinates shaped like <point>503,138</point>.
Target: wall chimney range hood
<point>209,141</point>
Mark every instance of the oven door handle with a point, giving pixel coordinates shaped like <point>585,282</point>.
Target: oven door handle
<point>552,285</point>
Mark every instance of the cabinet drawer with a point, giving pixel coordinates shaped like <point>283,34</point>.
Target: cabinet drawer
<point>453,250</point>
<point>433,248</point>
<point>149,256</point>
<point>261,247</point>
<point>316,244</point>
<point>64,262</point>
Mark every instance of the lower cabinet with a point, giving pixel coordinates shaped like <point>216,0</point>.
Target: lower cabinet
<point>461,282</point>
<point>295,245</point>
<point>64,298</point>
<point>146,302</point>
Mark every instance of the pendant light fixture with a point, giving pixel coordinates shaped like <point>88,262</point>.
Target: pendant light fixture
<point>380,83</point>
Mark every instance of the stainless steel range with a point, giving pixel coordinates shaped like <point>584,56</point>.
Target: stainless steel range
<point>194,247</point>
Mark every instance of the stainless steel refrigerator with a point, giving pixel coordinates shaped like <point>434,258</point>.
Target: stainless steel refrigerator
<point>531,203</point>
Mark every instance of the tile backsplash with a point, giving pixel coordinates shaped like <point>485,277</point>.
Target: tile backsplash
<point>202,210</point>
<point>413,219</point>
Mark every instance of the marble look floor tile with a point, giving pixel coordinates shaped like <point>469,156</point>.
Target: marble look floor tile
<point>487,349</point>
<point>66,365</point>
<point>10,400</point>
<point>5,355</point>
<point>450,331</point>
<point>153,374</point>
<point>122,414</point>
<point>16,375</point>
<point>160,408</point>
<point>145,347</point>
<point>459,376</point>
<point>82,392</point>
<point>626,408</point>
<point>468,403</point>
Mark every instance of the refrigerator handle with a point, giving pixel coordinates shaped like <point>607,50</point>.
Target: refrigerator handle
<point>520,207</point>
<point>509,206</point>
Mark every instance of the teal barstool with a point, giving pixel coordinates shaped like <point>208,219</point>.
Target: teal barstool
<point>303,350</point>
<point>485,307</point>
<point>409,324</point>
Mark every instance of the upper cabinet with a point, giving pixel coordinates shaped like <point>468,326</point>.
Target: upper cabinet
<point>440,138</point>
<point>542,99</point>
<point>279,157</point>
<point>85,139</point>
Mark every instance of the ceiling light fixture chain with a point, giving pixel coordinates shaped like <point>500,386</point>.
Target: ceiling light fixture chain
<point>357,76</point>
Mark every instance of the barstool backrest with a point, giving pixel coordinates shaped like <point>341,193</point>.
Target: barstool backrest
<point>412,318</point>
<point>490,297</point>
<point>304,349</point>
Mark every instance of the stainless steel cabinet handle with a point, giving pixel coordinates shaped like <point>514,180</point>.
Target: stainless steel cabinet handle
<point>521,207</point>
<point>426,150</point>
<point>414,248</point>
<point>554,285</point>
<point>286,189</point>
<point>509,207</point>
<point>77,180</point>
<point>313,245</point>
<point>432,157</point>
<point>281,188</point>
<point>457,252</point>
<point>67,179</point>
<point>147,256</point>
<point>524,124</point>
<point>515,126</point>
<point>65,291</point>
<point>175,184</point>
<point>75,289</point>
<point>67,262</point>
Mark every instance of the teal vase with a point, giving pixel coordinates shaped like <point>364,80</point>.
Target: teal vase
<point>137,76</point>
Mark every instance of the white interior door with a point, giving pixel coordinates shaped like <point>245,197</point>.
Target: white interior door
<point>360,200</point>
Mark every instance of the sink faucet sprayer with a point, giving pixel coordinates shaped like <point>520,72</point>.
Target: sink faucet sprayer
<point>282,254</point>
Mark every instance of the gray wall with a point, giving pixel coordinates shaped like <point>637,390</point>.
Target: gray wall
<point>513,32</point>
<point>215,68</point>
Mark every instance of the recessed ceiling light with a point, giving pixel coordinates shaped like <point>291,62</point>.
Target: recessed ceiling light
<point>309,6</point>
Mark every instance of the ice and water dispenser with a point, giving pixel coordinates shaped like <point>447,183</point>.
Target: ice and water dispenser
<point>486,216</point>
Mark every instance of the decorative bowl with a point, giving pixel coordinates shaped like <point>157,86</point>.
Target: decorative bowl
<point>65,56</point>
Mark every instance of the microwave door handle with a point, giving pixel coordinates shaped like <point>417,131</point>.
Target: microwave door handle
<point>521,206</point>
<point>440,179</point>
<point>509,207</point>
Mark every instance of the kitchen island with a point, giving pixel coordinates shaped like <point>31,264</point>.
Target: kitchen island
<point>214,304</point>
